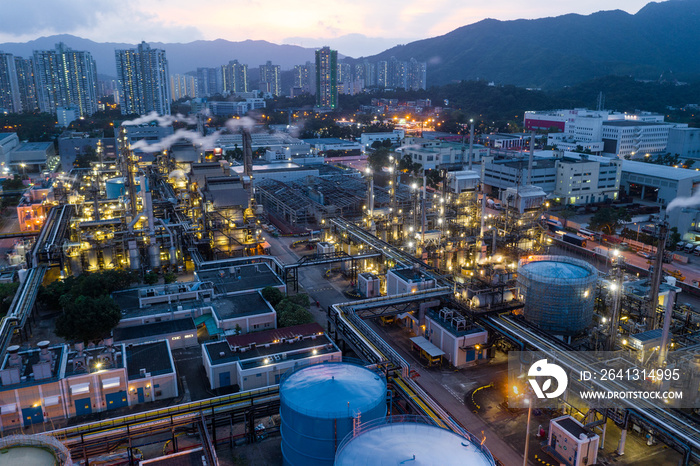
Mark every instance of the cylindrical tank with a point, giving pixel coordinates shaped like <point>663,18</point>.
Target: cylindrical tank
<point>134,259</point>
<point>76,267</point>
<point>92,259</point>
<point>154,255</point>
<point>484,299</point>
<point>107,257</point>
<point>33,449</point>
<point>22,274</point>
<point>173,255</point>
<point>411,440</point>
<point>318,405</point>
<point>114,187</point>
<point>558,292</point>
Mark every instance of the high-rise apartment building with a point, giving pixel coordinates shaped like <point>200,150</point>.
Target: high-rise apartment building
<point>270,78</point>
<point>10,101</point>
<point>383,78</point>
<point>183,85</point>
<point>327,78</point>
<point>304,77</point>
<point>27,86</point>
<point>235,77</point>
<point>143,79</point>
<point>65,78</point>
<point>209,81</point>
<point>416,75</point>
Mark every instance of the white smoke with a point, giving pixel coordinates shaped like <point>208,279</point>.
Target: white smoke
<point>208,141</point>
<point>164,120</point>
<point>684,201</point>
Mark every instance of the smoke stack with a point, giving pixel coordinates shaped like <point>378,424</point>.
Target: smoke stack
<point>532,155</point>
<point>14,359</point>
<point>44,354</point>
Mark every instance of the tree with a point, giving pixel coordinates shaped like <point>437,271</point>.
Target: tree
<point>151,278</point>
<point>608,219</point>
<point>674,238</point>
<point>7,292</point>
<point>301,299</point>
<point>290,314</point>
<point>169,278</point>
<point>433,178</point>
<point>272,295</point>
<point>86,318</point>
<point>378,159</point>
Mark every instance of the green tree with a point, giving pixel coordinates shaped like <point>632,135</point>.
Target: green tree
<point>272,295</point>
<point>378,159</point>
<point>301,299</point>
<point>433,178</point>
<point>86,318</point>
<point>7,292</point>
<point>566,214</point>
<point>290,314</point>
<point>674,238</point>
<point>169,278</point>
<point>151,278</point>
<point>14,184</point>
<point>608,219</point>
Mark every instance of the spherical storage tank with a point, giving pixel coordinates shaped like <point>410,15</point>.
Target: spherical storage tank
<point>558,293</point>
<point>411,443</point>
<point>318,405</point>
<point>114,187</point>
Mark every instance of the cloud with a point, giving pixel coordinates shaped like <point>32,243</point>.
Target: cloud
<point>99,20</point>
<point>353,45</point>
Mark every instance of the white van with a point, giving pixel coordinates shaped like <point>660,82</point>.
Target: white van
<point>689,247</point>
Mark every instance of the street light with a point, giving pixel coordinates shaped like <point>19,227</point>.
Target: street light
<point>24,170</point>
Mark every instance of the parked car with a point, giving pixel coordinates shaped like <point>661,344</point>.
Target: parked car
<point>680,245</point>
<point>644,254</point>
<point>689,247</point>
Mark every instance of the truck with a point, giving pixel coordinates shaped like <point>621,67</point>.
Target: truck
<point>574,239</point>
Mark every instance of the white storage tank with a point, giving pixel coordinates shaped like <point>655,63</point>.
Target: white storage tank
<point>318,405</point>
<point>411,440</point>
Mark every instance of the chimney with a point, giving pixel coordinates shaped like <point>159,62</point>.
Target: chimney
<point>44,354</point>
<point>14,359</point>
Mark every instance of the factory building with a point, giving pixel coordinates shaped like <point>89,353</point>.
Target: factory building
<point>401,281</point>
<point>463,344</point>
<point>222,302</point>
<point>662,184</point>
<point>434,153</point>
<point>59,382</point>
<point>181,333</point>
<point>260,359</point>
<point>574,178</point>
<point>34,206</point>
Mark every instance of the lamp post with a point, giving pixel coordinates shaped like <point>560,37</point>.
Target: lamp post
<point>528,400</point>
<point>24,170</point>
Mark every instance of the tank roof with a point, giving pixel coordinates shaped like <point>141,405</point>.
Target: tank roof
<point>333,390</point>
<point>423,444</point>
<point>556,269</point>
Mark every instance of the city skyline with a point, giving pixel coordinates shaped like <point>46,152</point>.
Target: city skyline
<point>360,31</point>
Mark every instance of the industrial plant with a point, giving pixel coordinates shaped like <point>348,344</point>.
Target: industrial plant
<point>406,277</point>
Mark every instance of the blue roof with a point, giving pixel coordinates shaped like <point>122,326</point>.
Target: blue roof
<point>6,135</point>
<point>333,390</point>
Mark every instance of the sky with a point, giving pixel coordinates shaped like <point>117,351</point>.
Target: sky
<point>357,28</point>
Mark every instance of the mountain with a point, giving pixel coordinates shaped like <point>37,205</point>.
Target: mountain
<point>563,50</point>
<point>181,57</point>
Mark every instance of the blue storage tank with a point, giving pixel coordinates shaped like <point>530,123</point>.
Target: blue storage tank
<point>115,188</point>
<point>318,404</point>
